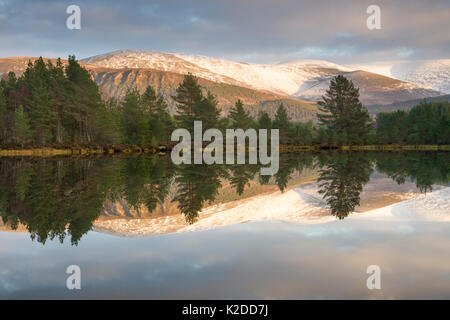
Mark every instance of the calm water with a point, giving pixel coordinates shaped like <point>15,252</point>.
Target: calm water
<point>51,208</point>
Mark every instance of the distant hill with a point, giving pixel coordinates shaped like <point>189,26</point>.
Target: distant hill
<point>298,84</point>
<point>114,83</point>
<point>305,79</point>
<point>373,88</point>
<point>405,105</point>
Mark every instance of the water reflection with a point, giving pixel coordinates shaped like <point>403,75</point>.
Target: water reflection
<point>59,198</point>
<point>342,179</point>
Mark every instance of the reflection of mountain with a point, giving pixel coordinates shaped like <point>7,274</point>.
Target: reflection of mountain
<point>66,197</point>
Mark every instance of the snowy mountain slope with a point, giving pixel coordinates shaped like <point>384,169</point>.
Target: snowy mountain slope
<point>307,79</point>
<point>283,78</point>
<point>115,72</point>
<point>431,74</point>
<point>146,59</point>
<point>374,88</point>
<point>280,78</point>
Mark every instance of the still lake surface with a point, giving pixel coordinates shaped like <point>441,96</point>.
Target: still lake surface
<point>141,227</point>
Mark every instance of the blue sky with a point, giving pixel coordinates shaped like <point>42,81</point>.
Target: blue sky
<point>242,30</point>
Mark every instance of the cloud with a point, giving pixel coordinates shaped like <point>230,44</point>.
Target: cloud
<point>245,30</point>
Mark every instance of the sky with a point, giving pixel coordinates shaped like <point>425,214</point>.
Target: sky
<point>257,31</point>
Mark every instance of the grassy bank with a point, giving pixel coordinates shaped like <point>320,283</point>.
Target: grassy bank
<point>50,152</point>
<point>55,151</point>
<point>387,147</point>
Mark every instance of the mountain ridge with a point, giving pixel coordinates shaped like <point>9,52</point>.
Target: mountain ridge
<point>299,84</point>
<point>293,78</point>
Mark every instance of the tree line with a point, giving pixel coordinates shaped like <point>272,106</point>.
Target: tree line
<point>61,104</point>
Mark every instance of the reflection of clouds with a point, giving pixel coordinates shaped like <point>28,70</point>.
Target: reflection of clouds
<point>261,260</point>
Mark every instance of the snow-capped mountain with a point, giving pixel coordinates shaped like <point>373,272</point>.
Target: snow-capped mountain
<point>117,71</point>
<point>431,74</point>
<point>285,78</point>
<point>305,79</point>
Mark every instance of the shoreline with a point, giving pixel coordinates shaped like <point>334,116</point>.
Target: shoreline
<point>110,150</point>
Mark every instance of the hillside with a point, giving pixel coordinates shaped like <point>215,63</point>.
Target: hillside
<point>114,83</point>
<point>278,78</point>
<point>430,74</point>
<point>373,88</point>
<point>405,105</point>
<point>298,84</point>
<point>304,79</point>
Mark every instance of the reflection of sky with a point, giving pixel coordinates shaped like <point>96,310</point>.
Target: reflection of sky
<point>254,260</point>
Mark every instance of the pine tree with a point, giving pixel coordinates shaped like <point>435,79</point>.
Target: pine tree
<point>343,112</point>
<point>239,117</point>
<point>150,102</point>
<point>188,95</point>
<point>282,123</point>
<point>21,128</point>
<point>136,124</point>
<point>4,125</point>
<point>38,104</point>
<point>264,121</point>
<point>86,104</point>
<point>58,98</point>
<point>207,112</point>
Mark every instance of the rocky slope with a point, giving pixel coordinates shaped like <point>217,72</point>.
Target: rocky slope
<point>298,84</point>
<point>305,79</point>
<point>114,83</point>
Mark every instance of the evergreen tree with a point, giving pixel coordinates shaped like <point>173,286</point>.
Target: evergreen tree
<point>239,117</point>
<point>135,123</point>
<point>150,102</point>
<point>207,112</point>
<point>21,129</point>
<point>304,133</point>
<point>188,95</point>
<point>58,97</point>
<point>38,104</point>
<point>282,123</point>
<point>86,103</point>
<point>264,121</point>
<point>4,125</point>
<point>342,112</point>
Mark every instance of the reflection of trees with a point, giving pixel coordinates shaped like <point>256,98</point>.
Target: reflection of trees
<point>146,180</point>
<point>54,198</point>
<point>59,198</point>
<point>342,178</point>
<point>290,163</point>
<point>424,168</point>
<point>196,184</point>
<point>241,175</point>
